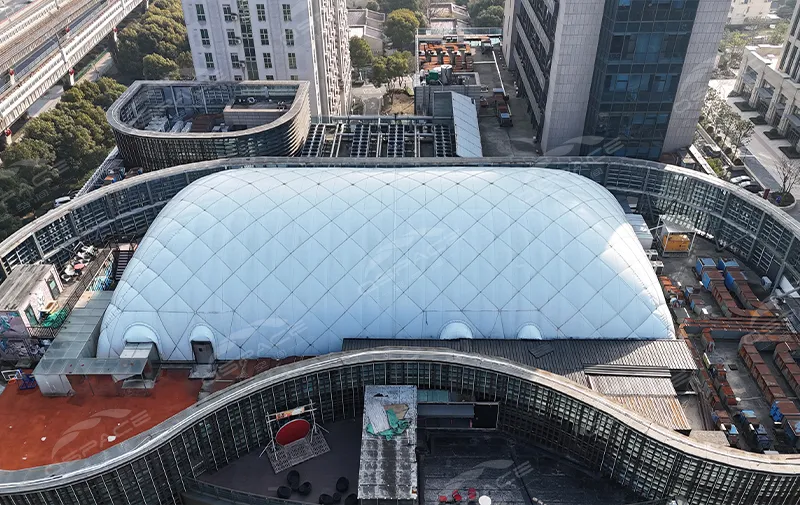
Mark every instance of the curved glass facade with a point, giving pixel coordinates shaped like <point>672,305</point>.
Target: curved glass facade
<point>544,409</point>
<point>279,133</point>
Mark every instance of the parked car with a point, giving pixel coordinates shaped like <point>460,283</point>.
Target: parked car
<point>712,151</point>
<point>740,179</point>
<point>61,201</point>
<point>753,188</point>
<point>746,183</point>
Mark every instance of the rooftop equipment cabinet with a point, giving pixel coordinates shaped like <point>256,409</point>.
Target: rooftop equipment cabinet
<point>674,239</point>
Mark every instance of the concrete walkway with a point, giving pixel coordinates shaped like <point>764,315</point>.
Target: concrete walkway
<point>761,154</point>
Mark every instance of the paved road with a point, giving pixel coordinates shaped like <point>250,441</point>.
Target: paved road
<point>48,47</point>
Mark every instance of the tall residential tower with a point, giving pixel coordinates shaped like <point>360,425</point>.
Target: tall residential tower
<point>287,40</point>
<point>623,77</point>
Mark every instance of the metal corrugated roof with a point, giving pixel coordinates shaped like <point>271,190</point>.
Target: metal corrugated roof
<point>651,396</point>
<point>664,410</point>
<point>563,357</point>
<point>631,386</point>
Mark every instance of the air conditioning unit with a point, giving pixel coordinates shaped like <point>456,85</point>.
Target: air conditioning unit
<point>236,64</point>
<point>230,17</point>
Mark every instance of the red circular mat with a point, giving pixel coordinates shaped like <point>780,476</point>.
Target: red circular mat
<point>292,431</point>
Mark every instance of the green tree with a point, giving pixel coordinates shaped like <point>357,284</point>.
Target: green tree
<point>60,148</point>
<point>398,66</point>
<point>477,7</point>
<point>401,28</point>
<point>73,95</point>
<point>27,149</point>
<point>16,195</point>
<point>393,5</point>
<point>8,223</point>
<point>161,30</point>
<point>778,34</point>
<point>110,91</point>
<point>155,67</point>
<point>373,5</point>
<point>78,133</point>
<point>360,53</point>
<point>490,18</point>
<point>732,46</point>
<point>716,166</point>
<point>102,93</point>
<point>31,160</point>
<point>380,75</point>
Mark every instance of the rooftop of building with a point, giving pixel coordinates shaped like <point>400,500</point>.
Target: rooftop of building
<point>36,430</point>
<point>647,377</point>
<point>603,368</point>
<point>183,109</point>
<point>360,17</point>
<point>766,53</point>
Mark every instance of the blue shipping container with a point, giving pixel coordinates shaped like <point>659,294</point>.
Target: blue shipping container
<point>706,280</point>
<point>730,282</point>
<point>703,263</point>
<point>724,263</point>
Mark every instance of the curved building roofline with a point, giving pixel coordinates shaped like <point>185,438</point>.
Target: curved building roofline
<point>558,162</point>
<point>301,95</point>
<point>66,473</point>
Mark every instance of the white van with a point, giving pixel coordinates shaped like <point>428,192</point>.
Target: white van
<point>61,201</point>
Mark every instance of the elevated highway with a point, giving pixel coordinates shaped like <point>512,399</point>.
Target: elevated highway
<point>42,43</point>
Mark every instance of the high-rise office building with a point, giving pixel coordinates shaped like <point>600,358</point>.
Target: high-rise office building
<point>622,77</point>
<point>287,40</point>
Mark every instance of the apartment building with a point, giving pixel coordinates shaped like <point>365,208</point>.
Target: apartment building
<point>250,40</point>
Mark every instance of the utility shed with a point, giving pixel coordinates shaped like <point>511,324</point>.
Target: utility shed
<point>25,294</point>
<point>388,467</point>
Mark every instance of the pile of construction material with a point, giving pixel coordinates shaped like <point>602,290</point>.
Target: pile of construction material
<point>724,279</point>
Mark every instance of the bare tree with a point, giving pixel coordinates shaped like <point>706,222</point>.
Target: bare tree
<point>711,106</point>
<point>739,132</point>
<point>788,174</point>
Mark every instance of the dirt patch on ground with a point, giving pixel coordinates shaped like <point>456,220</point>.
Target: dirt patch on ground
<point>403,104</point>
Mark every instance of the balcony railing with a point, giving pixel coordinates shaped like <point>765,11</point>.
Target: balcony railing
<point>232,495</point>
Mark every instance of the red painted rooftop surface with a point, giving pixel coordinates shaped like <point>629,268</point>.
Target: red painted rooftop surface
<point>36,430</point>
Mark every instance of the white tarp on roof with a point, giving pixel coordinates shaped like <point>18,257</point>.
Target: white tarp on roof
<point>279,262</point>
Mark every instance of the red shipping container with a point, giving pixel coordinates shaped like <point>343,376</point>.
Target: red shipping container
<point>787,407</point>
<point>773,394</point>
